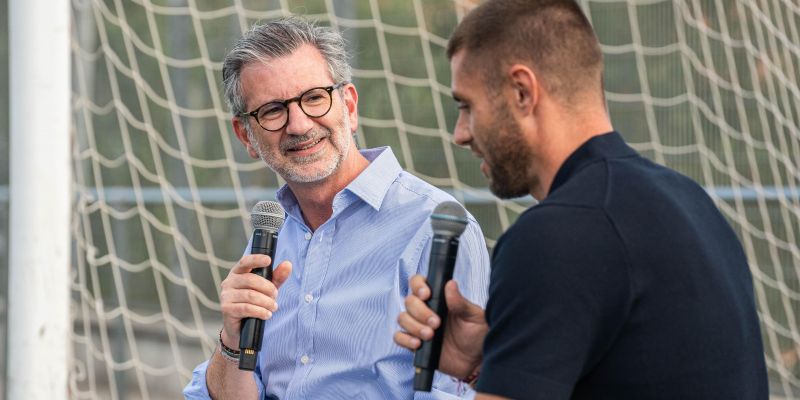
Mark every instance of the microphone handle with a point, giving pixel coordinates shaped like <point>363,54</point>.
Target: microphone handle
<point>440,271</point>
<point>264,242</point>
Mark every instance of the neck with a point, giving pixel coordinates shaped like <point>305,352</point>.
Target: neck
<point>560,134</point>
<point>316,198</point>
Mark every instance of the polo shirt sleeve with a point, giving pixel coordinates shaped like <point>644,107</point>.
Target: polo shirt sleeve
<point>559,295</point>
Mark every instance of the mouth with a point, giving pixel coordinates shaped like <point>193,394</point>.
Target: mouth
<point>307,147</point>
<point>476,153</point>
<point>485,168</point>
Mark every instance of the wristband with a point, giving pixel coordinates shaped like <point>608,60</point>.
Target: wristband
<point>227,352</point>
<point>472,379</point>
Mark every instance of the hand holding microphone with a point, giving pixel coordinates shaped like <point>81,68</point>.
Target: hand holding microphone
<point>267,219</point>
<point>455,348</point>
<point>249,292</point>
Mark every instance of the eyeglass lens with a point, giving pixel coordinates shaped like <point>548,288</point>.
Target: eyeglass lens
<point>315,103</point>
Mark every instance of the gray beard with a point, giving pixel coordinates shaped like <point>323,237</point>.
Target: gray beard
<point>294,172</point>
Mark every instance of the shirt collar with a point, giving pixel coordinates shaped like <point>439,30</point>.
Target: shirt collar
<point>373,183</point>
<point>607,145</point>
<point>370,186</point>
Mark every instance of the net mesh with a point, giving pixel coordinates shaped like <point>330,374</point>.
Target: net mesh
<point>163,189</point>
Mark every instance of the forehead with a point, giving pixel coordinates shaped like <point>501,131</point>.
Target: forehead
<point>284,77</point>
<point>465,80</point>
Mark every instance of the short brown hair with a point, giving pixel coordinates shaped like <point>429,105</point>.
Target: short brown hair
<point>553,37</point>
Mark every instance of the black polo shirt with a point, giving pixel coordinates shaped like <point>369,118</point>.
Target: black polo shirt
<point>626,282</point>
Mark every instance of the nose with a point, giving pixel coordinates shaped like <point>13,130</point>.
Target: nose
<point>461,133</point>
<point>299,123</point>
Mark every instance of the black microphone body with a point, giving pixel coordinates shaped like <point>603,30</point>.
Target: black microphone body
<point>264,242</point>
<point>440,271</point>
<point>448,220</point>
<point>267,218</point>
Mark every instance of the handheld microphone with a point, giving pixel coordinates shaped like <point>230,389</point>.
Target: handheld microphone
<point>267,219</point>
<point>449,220</point>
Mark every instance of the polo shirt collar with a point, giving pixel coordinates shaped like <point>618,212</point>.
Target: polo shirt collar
<point>607,145</point>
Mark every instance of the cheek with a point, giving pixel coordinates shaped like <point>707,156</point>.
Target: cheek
<point>267,143</point>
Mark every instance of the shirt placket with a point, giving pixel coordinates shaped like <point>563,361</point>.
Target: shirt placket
<point>317,262</point>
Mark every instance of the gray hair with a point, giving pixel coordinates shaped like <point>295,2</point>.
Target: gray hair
<point>280,38</point>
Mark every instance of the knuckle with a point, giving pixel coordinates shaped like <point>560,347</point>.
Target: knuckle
<point>252,296</point>
<point>248,310</point>
<point>268,289</point>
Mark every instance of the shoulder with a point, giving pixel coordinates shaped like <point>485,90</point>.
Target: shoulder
<point>560,245</point>
<point>417,197</point>
<point>410,185</point>
<point>550,224</point>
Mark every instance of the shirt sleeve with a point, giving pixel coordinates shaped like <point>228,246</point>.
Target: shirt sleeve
<point>472,265</point>
<point>446,387</point>
<point>559,295</point>
<point>197,389</point>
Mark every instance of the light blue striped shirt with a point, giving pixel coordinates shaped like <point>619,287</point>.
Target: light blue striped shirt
<point>331,337</point>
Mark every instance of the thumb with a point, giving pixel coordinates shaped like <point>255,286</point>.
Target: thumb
<point>281,273</point>
<point>456,303</point>
<point>460,307</point>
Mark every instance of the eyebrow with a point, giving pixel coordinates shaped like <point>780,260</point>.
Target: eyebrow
<point>279,100</point>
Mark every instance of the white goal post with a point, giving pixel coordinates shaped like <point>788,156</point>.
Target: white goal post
<point>160,189</point>
<point>40,196</point>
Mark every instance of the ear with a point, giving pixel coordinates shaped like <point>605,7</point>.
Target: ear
<point>351,102</point>
<point>241,134</point>
<point>525,88</point>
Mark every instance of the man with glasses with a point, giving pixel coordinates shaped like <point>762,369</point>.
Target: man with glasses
<point>357,227</point>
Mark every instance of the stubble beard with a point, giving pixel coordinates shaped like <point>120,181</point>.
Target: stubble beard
<point>507,156</point>
<point>296,169</point>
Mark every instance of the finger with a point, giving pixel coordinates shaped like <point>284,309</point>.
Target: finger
<point>414,327</point>
<point>249,281</point>
<point>250,262</point>
<point>455,301</point>
<point>419,287</point>
<point>406,340</point>
<point>245,310</point>
<point>458,305</point>
<point>249,296</point>
<point>281,273</point>
<point>418,310</point>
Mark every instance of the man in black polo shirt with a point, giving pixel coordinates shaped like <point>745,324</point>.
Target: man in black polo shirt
<point>625,281</point>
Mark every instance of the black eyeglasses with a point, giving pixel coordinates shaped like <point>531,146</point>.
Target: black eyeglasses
<point>315,102</point>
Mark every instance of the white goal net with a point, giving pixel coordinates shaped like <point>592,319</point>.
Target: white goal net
<point>163,189</point>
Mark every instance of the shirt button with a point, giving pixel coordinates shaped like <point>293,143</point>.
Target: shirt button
<point>308,298</point>
<point>304,359</point>
<point>308,236</point>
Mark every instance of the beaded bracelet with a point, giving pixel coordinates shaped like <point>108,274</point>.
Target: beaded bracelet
<point>472,379</point>
<point>227,352</point>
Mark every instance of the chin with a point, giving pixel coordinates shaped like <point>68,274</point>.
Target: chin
<point>301,173</point>
<point>506,191</point>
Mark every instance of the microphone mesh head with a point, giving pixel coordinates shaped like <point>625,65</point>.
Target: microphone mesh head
<point>267,215</point>
<point>449,218</point>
